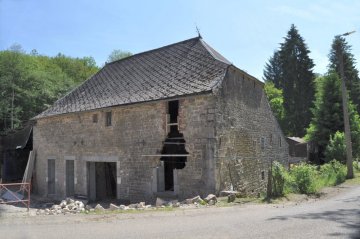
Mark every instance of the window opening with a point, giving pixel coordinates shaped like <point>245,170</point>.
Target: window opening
<point>95,118</point>
<point>51,176</point>
<point>262,141</point>
<point>108,119</point>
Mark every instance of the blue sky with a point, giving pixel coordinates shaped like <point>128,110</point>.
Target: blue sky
<point>245,32</point>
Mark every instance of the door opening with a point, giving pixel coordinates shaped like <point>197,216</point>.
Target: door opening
<point>101,180</point>
<point>70,178</point>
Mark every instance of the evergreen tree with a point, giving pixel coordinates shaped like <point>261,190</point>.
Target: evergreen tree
<point>273,70</point>
<point>352,79</point>
<point>328,115</point>
<point>297,82</point>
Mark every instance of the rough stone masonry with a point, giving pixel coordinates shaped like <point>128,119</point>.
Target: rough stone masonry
<point>230,135</point>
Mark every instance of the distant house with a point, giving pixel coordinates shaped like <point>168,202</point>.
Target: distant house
<point>298,150</point>
<point>177,121</point>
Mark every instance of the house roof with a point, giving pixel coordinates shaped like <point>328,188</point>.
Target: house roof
<point>184,68</point>
<point>297,139</point>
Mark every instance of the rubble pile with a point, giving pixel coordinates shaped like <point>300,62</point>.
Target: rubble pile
<point>71,206</point>
<point>66,206</point>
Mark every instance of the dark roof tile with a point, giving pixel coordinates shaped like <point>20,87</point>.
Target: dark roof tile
<point>180,69</point>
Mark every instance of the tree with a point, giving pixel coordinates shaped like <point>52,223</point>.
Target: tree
<point>29,83</point>
<point>297,82</point>
<point>328,115</point>
<point>290,69</point>
<point>352,79</point>
<point>118,55</point>
<point>273,70</point>
<point>275,97</point>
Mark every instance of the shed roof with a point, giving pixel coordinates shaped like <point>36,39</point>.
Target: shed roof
<point>184,68</point>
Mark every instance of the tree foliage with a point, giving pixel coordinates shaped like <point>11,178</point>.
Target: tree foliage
<point>340,48</point>
<point>290,69</point>
<point>29,83</point>
<point>276,99</point>
<point>118,55</point>
<point>273,70</point>
<point>328,115</point>
<point>336,148</point>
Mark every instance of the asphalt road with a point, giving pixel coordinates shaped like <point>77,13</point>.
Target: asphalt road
<point>335,217</point>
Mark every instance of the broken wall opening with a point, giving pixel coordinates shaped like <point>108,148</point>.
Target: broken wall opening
<point>174,146</point>
<point>102,180</point>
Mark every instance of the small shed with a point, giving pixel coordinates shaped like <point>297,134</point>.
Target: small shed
<point>298,150</point>
<point>14,153</point>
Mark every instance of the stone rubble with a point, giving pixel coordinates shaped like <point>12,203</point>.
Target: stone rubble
<point>71,206</point>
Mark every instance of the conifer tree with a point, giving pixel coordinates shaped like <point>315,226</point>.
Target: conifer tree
<point>290,69</point>
<point>352,79</point>
<point>272,71</point>
<point>328,115</point>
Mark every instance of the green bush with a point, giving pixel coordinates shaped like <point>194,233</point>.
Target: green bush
<point>356,165</point>
<point>305,178</point>
<point>278,179</point>
<point>332,173</point>
<point>336,148</point>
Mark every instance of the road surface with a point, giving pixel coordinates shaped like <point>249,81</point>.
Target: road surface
<point>334,217</point>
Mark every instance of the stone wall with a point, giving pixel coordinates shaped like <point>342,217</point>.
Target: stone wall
<point>248,136</point>
<point>136,130</point>
<point>231,137</point>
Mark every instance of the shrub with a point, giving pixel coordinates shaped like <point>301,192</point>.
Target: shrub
<point>305,178</point>
<point>278,179</point>
<point>332,173</point>
<point>336,148</point>
<point>356,165</point>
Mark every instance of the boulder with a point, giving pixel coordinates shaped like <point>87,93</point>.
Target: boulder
<point>63,204</point>
<point>98,207</point>
<point>210,197</point>
<point>113,207</point>
<point>88,207</point>
<point>122,207</point>
<point>212,202</point>
<point>193,200</point>
<point>160,202</point>
<point>141,205</point>
<point>69,200</point>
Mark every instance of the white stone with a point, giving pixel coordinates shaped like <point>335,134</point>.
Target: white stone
<point>210,197</point>
<point>99,207</point>
<point>113,207</point>
<point>160,202</point>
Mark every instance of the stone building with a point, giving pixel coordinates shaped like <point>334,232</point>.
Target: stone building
<point>177,121</point>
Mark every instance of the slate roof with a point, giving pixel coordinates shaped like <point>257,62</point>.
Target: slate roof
<point>184,68</point>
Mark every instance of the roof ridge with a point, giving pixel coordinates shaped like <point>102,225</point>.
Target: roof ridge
<point>214,53</point>
<point>156,49</point>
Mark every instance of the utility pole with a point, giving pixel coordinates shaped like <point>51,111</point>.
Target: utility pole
<point>349,160</point>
